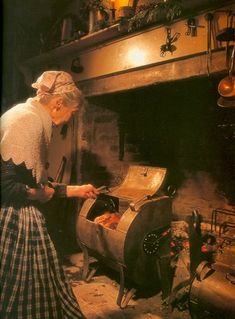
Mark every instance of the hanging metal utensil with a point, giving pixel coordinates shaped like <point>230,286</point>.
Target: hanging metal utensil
<point>209,18</point>
<point>227,34</point>
<point>226,86</point>
<point>168,46</point>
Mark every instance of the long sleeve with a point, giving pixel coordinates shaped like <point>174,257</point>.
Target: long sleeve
<point>60,189</point>
<point>14,182</point>
<point>12,190</point>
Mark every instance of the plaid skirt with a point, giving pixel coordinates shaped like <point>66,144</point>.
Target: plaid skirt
<point>32,282</point>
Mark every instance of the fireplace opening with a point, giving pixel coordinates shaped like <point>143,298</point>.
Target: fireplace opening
<point>176,125</point>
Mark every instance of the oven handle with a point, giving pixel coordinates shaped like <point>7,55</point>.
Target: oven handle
<point>104,188</point>
<point>140,201</point>
<point>134,206</point>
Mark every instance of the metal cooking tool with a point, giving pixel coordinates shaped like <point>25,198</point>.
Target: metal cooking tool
<point>209,18</point>
<point>226,87</point>
<point>168,46</point>
<point>227,34</point>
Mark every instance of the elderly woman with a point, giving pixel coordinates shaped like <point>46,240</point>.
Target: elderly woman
<point>32,282</point>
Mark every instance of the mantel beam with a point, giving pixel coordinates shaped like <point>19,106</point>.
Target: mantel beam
<point>194,66</point>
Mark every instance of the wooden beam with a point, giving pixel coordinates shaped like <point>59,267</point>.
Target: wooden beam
<point>173,70</point>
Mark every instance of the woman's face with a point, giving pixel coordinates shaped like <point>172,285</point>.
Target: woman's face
<point>61,114</point>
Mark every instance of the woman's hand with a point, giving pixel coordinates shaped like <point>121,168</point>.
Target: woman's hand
<point>42,195</point>
<point>84,191</point>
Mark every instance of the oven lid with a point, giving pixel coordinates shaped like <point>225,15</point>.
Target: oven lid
<point>140,181</point>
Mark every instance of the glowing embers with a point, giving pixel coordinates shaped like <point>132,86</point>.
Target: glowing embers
<point>105,211</point>
<point>108,219</point>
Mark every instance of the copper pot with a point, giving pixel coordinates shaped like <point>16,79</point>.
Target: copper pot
<point>226,86</point>
<point>212,292</point>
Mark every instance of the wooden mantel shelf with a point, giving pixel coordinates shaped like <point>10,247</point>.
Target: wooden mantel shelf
<point>115,31</point>
<point>90,40</point>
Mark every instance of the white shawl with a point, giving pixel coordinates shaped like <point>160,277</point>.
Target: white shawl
<point>25,137</point>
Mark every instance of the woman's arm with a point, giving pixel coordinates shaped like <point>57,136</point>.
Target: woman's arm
<point>83,191</point>
<point>42,194</point>
<point>15,191</point>
<point>11,189</point>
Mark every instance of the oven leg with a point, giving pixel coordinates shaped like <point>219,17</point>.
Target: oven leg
<point>121,288</point>
<point>87,274</point>
<point>85,268</point>
<point>165,276</point>
<point>122,298</point>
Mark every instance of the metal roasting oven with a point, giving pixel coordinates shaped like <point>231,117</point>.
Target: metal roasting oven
<point>131,244</point>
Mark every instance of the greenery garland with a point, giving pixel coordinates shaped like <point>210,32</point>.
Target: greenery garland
<point>167,10</point>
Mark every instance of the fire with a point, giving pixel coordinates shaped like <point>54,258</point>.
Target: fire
<point>109,220</point>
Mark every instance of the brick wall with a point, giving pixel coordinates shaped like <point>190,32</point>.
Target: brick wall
<point>99,147</point>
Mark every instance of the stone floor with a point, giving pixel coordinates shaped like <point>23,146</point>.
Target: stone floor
<point>97,298</point>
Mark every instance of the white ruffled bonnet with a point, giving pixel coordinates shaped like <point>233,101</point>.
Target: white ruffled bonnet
<point>54,82</point>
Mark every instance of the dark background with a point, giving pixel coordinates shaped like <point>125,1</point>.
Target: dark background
<point>24,24</point>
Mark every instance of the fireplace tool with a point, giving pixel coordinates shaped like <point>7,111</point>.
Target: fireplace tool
<point>126,228</point>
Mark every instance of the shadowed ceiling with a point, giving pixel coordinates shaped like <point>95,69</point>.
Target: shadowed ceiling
<point>23,23</point>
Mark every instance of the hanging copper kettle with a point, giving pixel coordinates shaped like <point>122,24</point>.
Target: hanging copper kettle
<point>226,87</point>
